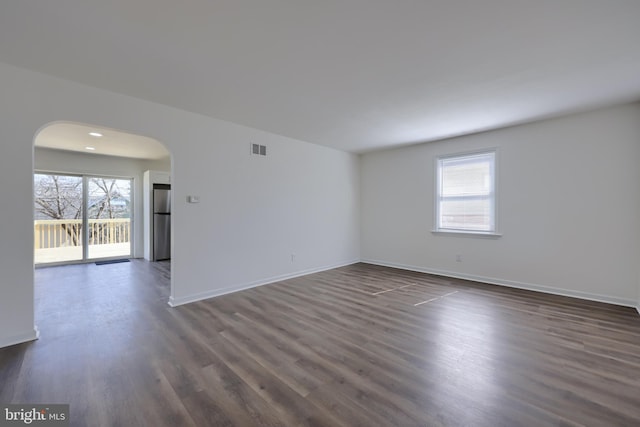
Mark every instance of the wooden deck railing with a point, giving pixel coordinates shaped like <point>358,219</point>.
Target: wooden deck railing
<point>55,233</point>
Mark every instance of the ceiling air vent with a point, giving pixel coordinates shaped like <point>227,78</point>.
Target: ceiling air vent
<point>259,150</point>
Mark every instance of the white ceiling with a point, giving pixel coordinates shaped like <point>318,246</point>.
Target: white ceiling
<point>75,137</point>
<point>352,74</point>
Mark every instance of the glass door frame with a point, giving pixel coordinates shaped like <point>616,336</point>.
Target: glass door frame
<point>85,216</point>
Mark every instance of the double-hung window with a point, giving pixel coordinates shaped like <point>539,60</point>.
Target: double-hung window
<point>466,193</point>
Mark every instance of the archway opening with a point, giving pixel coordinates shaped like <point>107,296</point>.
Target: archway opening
<point>93,198</point>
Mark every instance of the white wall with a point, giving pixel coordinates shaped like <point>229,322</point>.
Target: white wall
<point>569,207</point>
<point>91,164</point>
<point>254,211</point>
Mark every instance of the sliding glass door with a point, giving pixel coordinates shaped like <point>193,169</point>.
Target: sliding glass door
<point>58,218</point>
<point>80,218</point>
<point>109,217</point>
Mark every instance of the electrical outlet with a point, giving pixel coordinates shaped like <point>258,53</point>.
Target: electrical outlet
<point>293,257</point>
<point>458,258</point>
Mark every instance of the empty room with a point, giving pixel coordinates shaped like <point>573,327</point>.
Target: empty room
<point>374,213</point>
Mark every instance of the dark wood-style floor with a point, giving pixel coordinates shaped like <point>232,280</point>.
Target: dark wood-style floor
<point>356,346</point>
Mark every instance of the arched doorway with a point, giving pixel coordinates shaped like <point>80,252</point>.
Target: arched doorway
<point>90,199</point>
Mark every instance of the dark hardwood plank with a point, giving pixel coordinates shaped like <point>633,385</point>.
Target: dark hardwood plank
<point>360,345</point>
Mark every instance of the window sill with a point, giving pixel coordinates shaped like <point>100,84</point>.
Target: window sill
<point>480,234</point>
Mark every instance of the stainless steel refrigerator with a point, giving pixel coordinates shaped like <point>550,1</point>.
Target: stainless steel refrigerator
<point>161,222</point>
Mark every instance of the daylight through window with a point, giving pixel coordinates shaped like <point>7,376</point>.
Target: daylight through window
<point>466,193</point>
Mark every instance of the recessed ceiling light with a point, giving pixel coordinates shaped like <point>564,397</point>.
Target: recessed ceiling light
<point>96,134</point>
<point>90,148</point>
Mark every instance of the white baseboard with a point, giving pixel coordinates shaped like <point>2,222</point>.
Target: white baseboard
<point>174,302</point>
<point>511,284</point>
<point>20,338</point>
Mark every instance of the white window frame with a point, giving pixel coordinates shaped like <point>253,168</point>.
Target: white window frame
<point>493,232</point>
